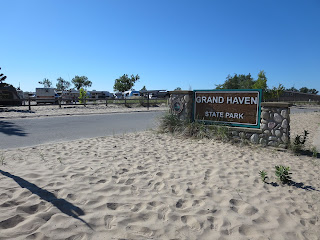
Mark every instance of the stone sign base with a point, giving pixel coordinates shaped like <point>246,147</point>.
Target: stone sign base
<point>274,124</point>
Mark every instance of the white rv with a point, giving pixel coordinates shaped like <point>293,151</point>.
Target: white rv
<point>46,95</point>
<point>100,94</point>
<point>131,94</point>
<point>71,95</point>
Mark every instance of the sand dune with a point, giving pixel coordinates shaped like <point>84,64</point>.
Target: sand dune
<point>154,186</point>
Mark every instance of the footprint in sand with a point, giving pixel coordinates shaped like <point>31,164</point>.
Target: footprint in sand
<point>242,207</point>
<point>101,181</point>
<point>248,230</point>
<point>10,204</point>
<point>176,190</point>
<point>112,206</point>
<point>136,207</point>
<point>159,186</point>
<point>212,222</point>
<point>159,174</point>
<point>140,168</point>
<point>162,213</point>
<point>31,209</point>
<point>191,222</point>
<point>155,204</point>
<point>11,222</point>
<point>182,204</point>
<point>141,231</point>
<point>108,219</point>
<point>129,181</point>
<point>207,174</point>
<point>198,203</point>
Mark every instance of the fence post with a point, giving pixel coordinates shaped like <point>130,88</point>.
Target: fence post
<point>59,100</point>
<point>106,102</point>
<point>125,101</point>
<point>29,104</point>
<point>148,102</point>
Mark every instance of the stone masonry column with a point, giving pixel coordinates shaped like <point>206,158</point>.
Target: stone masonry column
<point>180,104</point>
<point>275,124</point>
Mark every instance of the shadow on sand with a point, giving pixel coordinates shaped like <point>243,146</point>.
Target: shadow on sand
<point>63,205</point>
<point>10,128</point>
<point>15,110</point>
<point>295,184</point>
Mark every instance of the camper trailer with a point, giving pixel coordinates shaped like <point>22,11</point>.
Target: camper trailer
<point>100,94</point>
<point>46,95</point>
<point>131,94</point>
<point>118,95</point>
<point>71,95</point>
<point>9,95</point>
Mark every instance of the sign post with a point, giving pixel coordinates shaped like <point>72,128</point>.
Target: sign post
<point>238,107</point>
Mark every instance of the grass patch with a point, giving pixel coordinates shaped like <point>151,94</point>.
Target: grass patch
<point>298,144</point>
<point>170,123</point>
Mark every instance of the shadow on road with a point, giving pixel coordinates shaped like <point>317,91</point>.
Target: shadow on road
<point>63,205</point>
<point>10,128</point>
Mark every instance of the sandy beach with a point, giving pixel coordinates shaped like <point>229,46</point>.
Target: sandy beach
<point>155,186</point>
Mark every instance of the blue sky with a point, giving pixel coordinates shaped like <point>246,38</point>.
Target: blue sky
<point>187,44</point>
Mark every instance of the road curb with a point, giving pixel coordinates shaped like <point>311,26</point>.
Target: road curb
<point>78,114</point>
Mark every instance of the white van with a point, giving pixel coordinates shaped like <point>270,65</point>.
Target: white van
<point>46,95</point>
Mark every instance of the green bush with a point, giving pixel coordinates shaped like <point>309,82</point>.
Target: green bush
<point>83,96</point>
<point>297,145</point>
<point>263,176</point>
<point>283,173</point>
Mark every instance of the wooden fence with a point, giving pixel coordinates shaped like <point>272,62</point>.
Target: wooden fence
<point>32,101</point>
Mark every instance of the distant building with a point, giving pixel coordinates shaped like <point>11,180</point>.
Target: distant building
<point>290,96</point>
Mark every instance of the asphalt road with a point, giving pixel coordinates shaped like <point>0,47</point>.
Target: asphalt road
<point>33,131</point>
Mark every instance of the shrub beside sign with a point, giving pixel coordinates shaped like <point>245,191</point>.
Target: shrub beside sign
<point>233,107</point>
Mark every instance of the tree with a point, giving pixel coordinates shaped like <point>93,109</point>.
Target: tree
<point>178,89</point>
<point>307,90</point>
<point>277,91</point>
<point>143,88</point>
<point>124,83</point>
<point>240,81</point>
<point>261,82</point>
<point>62,84</point>
<point>46,83</point>
<point>313,91</point>
<point>80,82</point>
<point>2,77</point>
<point>304,90</point>
<point>82,96</point>
<point>292,89</point>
